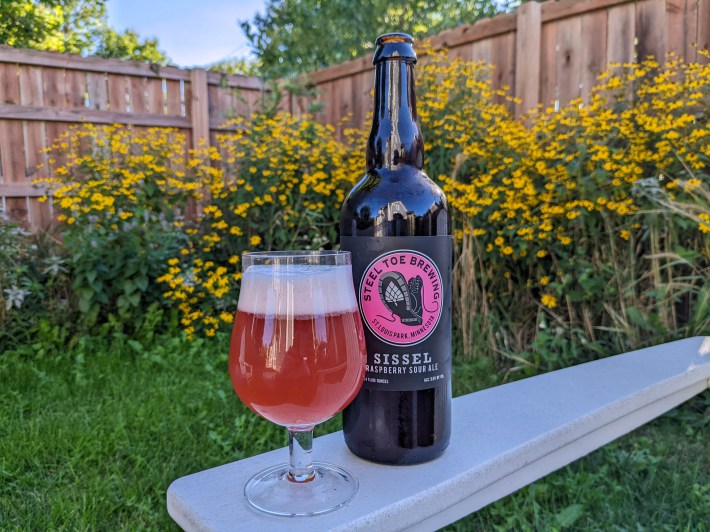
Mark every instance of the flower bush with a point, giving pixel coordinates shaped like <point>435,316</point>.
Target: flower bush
<point>581,231</point>
<point>122,193</point>
<point>565,254</point>
<point>273,182</point>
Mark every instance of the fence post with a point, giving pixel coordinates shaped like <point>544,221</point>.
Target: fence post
<point>528,37</point>
<point>200,108</point>
<point>703,38</point>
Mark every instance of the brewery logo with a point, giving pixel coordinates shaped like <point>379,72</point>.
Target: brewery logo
<point>401,297</point>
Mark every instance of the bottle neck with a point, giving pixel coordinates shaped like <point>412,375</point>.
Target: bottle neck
<point>395,138</point>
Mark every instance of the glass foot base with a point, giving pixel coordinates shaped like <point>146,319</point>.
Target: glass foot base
<point>272,492</point>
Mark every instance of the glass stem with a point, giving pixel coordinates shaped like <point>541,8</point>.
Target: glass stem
<point>300,445</point>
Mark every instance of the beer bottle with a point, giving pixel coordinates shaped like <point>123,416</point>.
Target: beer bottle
<point>396,223</point>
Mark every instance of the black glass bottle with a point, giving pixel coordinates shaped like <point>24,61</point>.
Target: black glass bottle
<point>402,415</point>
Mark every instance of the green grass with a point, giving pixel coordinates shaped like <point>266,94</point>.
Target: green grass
<point>656,478</point>
<point>91,437</point>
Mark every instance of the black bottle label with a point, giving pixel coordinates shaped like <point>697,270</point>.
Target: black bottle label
<point>403,285</point>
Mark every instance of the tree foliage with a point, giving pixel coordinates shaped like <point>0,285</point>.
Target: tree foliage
<point>295,36</point>
<point>235,66</point>
<point>74,26</point>
<point>128,45</point>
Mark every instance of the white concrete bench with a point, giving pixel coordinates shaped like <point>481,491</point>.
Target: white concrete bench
<point>503,439</point>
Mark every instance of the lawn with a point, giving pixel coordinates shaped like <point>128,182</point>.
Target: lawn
<point>91,437</point>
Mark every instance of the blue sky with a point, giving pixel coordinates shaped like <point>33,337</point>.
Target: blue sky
<point>191,32</point>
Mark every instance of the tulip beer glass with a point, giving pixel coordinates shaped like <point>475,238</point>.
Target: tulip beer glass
<point>296,358</point>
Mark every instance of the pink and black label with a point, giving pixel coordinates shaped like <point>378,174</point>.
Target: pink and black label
<point>401,296</point>
<point>404,290</point>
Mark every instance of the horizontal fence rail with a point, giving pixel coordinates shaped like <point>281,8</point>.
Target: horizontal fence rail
<point>545,53</point>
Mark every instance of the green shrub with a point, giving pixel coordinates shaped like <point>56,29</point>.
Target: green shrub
<point>123,195</point>
<point>34,283</point>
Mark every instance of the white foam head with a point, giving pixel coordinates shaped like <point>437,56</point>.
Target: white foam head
<point>297,290</point>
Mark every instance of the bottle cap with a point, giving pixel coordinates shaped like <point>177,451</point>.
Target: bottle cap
<point>394,46</point>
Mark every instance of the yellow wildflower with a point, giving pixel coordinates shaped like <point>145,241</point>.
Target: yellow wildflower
<point>549,301</point>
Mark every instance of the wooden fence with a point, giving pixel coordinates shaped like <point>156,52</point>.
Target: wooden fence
<point>545,53</point>
<point>42,94</point>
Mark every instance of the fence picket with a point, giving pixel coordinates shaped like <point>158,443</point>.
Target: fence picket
<point>31,94</point>
<point>117,89</point>
<point>594,42</point>
<point>367,90</point>
<point>651,29</point>
<point>97,90</point>
<point>173,97</point>
<point>548,64</point>
<point>621,32</point>
<point>156,99</point>
<point>199,106</point>
<point>504,65</point>
<point>702,39</point>
<point>75,83</point>
<point>12,152</point>
<point>342,98</point>
<point>481,51</point>
<point>676,30</point>
<point>55,97</point>
<point>138,92</point>
<point>569,59</point>
<point>527,56</point>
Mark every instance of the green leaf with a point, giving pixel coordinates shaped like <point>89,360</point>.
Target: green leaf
<point>135,299</point>
<point>86,297</point>
<point>84,305</point>
<point>136,346</point>
<point>638,319</point>
<point>568,516</point>
<point>576,296</point>
<point>122,304</point>
<point>130,269</point>
<point>129,287</point>
<point>142,283</point>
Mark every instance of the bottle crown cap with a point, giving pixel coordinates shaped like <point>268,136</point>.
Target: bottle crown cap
<point>394,46</point>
